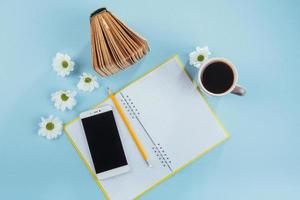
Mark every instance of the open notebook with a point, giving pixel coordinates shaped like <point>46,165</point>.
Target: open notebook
<point>171,119</point>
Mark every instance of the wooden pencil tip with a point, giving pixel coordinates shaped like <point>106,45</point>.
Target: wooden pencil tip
<point>148,163</point>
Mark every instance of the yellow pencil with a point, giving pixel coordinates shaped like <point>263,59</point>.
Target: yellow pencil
<point>129,127</point>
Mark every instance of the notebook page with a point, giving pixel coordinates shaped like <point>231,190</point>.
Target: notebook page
<point>140,177</point>
<point>162,107</point>
<point>174,114</point>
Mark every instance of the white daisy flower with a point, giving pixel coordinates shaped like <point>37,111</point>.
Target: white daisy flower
<point>64,99</point>
<point>199,56</point>
<point>62,64</point>
<point>50,127</point>
<point>87,82</point>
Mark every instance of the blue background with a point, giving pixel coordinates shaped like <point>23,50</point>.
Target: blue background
<point>260,161</point>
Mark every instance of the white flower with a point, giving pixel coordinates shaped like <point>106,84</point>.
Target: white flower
<point>50,127</point>
<point>62,64</point>
<point>199,56</point>
<point>87,82</point>
<point>64,99</point>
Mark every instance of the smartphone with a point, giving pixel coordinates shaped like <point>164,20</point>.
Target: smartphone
<point>104,142</point>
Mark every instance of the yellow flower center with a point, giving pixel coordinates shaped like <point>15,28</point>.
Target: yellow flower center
<point>87,80</point>
<point>49,126</point>
<point>65,64</point>
<point>200,58</point>
<point>64,97</point>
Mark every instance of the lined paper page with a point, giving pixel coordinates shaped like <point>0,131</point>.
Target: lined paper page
<point>174,114</point>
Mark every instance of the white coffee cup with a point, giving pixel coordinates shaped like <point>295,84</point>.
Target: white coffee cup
<point>202,82</point>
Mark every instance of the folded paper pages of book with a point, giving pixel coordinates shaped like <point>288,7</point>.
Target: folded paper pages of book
<point>114,46</point>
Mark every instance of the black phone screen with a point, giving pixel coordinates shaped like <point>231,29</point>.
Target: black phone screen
<point>104,141</point>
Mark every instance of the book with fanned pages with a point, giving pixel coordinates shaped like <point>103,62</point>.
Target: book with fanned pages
<point>114,45</point>
<point>173,122</point>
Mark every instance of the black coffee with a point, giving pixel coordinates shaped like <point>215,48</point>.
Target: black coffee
<point>217,77</point>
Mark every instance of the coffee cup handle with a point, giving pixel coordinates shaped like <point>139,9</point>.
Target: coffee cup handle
<point>239,90</point>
